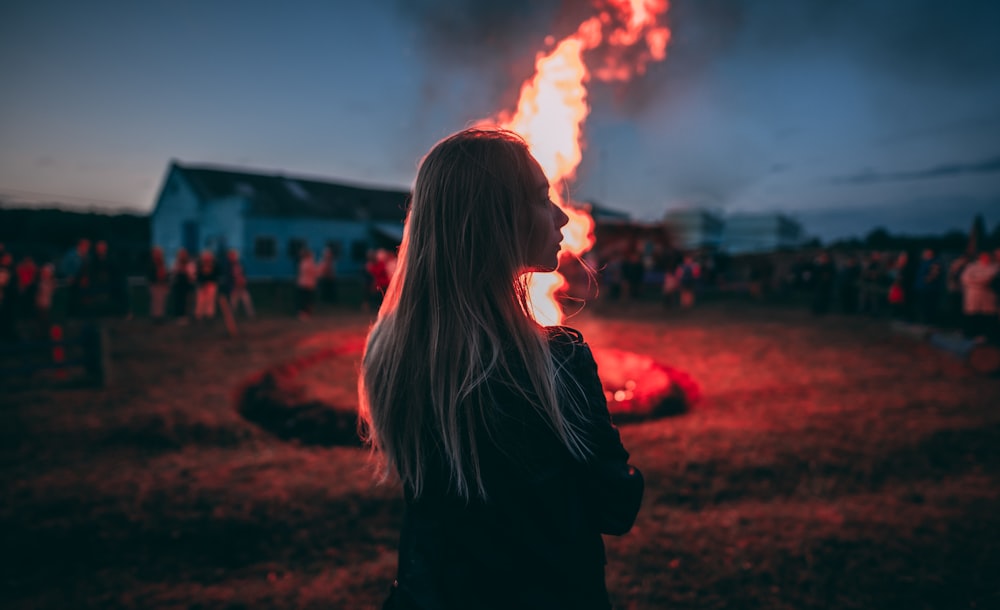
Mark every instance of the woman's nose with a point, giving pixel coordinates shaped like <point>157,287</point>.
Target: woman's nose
<point>561,218</point>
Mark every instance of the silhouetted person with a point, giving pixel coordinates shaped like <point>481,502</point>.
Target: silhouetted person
<point>8,297</point>
<point>76,267</point>
<point>108,288</point>
<point>874,284</point>
<point>979,300</point>
<point>496,426</point>
<point>328,277</point>
<point>44,293</point>
<point>632,273</point>
<point>27,275</point>
<point>928,287</point>
<point>206,286</point>
<point>236,285</point>
<point>181,283</point>
<point>848,280</point>
<point>306,281</point>
<point>953,284</point>
<point>378,272</point>
<point>824,275</point>
<point>688,274</point>
<point>613,276</point>
<point>158,280</point>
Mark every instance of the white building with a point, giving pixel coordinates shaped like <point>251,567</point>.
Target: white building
<point>763,232</point>
<point>696,228</point>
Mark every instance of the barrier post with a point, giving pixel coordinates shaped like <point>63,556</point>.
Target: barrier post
<point>97,354</point>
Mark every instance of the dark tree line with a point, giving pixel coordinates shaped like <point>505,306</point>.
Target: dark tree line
<point>880,238</point>
<point>48,233</point>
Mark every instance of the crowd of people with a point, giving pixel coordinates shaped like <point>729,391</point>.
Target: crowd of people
<point>188,288</point>
<point>97,287</point>
<point>27,287</point>
<point>959,291</point>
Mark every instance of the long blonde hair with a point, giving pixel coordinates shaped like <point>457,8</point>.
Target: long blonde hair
<point>456,315</point>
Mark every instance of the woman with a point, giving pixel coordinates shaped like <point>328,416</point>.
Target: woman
<point>497,427</point>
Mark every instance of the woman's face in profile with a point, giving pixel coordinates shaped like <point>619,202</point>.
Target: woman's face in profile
<point>544,221</point>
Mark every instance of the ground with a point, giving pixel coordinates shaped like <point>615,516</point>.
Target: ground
<point>829,464</point>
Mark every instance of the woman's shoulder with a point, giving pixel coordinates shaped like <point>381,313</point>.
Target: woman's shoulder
<point>564,336</point>
<point>568,345</point>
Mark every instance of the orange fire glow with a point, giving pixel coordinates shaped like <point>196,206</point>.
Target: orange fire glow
<point>553,106</point>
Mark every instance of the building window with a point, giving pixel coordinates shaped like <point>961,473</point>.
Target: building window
<point>265,248</point>
<point>295,247</point>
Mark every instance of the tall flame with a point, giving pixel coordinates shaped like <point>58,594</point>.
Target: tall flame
<point>553,106</point>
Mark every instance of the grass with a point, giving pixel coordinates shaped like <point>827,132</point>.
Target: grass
<point>829,464</point>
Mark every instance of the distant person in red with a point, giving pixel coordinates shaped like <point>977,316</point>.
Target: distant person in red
<point>688,274</point>
<point>306,281</point>
<point>8,297</point>
<point>928,287</point>
<point>496,426</point>
<point>76,267</point>
<point>379,274</point>
<point>898,294</point>
<point>27,275</point>
<point>979,301</point>
<point>236,285</point>
<point>44,291</point>
<point>108,290</point>
<point>158,279</point>
<point>207,286</point>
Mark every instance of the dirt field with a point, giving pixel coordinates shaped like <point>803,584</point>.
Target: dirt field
<point>829,464</point>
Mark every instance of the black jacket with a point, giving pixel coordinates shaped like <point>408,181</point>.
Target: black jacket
<point>536,542</point>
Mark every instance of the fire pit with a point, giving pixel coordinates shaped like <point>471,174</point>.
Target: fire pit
<point>637,387</point>
<point>302,399</point>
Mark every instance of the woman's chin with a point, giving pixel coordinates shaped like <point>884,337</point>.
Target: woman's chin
<point>542,268</point>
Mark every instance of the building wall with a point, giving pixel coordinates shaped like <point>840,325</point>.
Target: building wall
<point>222,224</point>
<point>354,239</point>
<point>176,205</point>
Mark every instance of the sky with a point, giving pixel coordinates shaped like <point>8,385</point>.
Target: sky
<point>844,114</point>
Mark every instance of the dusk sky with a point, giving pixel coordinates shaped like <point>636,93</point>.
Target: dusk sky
<point>845,114</point>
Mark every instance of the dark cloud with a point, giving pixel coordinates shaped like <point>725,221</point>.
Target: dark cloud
<point>941,171</point>
<point>920,40</point>
<point>495,39</point>
<point>501,39</point>
<point>464,31</point>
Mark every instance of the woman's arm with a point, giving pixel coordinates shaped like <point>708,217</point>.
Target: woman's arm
<point>612,488</point>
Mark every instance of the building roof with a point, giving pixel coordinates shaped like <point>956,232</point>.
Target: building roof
<point>280,195</point>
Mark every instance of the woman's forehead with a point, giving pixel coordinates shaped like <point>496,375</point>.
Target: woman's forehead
<point>538,176</point>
